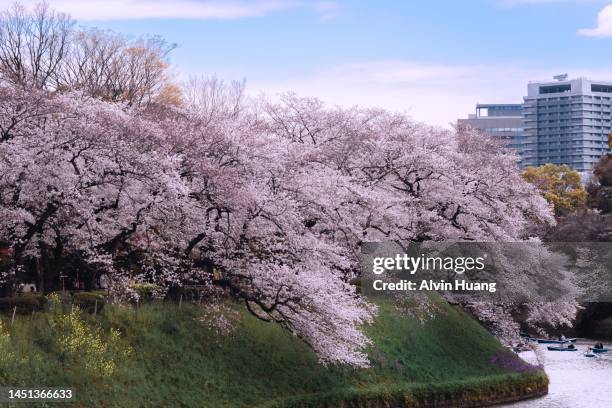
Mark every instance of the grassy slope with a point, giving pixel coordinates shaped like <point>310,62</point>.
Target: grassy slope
<point>179,362</point>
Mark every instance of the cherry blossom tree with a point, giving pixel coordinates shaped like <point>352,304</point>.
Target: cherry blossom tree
<point>270,201</point>
<point>79,176</point>
<point>407,182</point>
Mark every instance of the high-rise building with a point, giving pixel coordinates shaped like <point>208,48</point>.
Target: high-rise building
<point>567,122</point>
<point>502,121</point>
<point>560,122</point>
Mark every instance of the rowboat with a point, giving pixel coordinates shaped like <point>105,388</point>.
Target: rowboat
<point>599,350</point>
<point>552,348</point>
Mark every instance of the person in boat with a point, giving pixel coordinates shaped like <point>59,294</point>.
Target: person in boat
<point>571,347</point>
<point>599,346</point>
<point>562,338</point>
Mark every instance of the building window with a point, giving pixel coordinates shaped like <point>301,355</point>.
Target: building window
<point>601,88</point>
<point>555,89</point>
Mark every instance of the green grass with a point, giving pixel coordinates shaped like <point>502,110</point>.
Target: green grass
<point>179,361</point>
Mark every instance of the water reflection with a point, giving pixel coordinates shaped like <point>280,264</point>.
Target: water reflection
<point>576,381</point>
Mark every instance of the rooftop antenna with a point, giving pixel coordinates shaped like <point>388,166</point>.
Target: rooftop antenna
<point>560,77</point>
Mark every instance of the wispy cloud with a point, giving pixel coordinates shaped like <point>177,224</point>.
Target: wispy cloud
<point>180,9</point>
<point>436,94</point>
<point>604,24</point>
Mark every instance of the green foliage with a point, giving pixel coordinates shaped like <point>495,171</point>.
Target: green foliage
<point>7,356</point>
<point>54,302</point>
<point>560,185</point>
<point>26,303</point>
<point>59,349</point>
<point>600,189</point>
<point>147,291</point>
<point>180,359</point>
<point>80,343</point>
<point>89,301</point>
<point>483,391</point>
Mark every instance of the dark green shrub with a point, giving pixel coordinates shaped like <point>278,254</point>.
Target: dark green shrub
<point>146,291</point>
<point>89,301</point>
<point>25,303</point>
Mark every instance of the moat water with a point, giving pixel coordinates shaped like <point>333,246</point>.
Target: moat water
<point>576,381</point>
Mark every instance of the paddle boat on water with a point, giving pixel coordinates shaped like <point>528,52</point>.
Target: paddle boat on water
<point>599,348</point>
<point>590,354</point>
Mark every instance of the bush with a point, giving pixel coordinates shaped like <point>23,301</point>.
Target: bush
<point>89,346</point>
<point>147,291</point>
<point>89,301</point>
<point>25,303</point>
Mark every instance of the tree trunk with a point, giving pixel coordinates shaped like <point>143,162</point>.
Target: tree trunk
<point>40,276</point>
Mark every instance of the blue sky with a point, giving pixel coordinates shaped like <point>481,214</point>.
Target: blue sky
<point>434,59</point>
